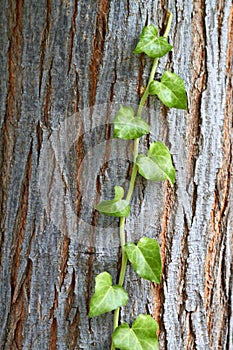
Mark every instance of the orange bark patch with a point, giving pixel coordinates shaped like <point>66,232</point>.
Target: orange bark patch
<point>98,47</point>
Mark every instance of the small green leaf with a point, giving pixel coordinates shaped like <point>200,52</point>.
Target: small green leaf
<point>129,127</point>
<point>171,90</point>
<point>151,44</point>
<point>142,335</point>
<point>106,297</point>
<point>115,207</point>
<point>145,258</point>
<point>157,166</point>
<point>119,192</point>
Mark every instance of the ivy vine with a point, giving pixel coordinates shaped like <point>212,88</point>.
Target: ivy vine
<point>156,166</point>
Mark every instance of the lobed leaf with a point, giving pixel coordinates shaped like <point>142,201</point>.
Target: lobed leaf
<point>171,90</point>
<point>129,127</point>
<point>145,258</point>
<point>115,207</point>
<point>157,166</point>
<point>106,297</point>
<point>142,335</point>
<point>151,44</point>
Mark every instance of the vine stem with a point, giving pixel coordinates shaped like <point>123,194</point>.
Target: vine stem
<point>144,97</point>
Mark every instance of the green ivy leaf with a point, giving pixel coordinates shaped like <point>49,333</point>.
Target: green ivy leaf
<point>145,258</point>
<point>151,44</point>
<point>119,192</point>
<point>171,90</point>
<point>115,207</point>
<point>106,297</point>
<point>142,335</point>
<point>157,166</point>
<point>129,127</point>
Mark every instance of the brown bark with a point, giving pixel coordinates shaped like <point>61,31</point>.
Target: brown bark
<point>65,69</point>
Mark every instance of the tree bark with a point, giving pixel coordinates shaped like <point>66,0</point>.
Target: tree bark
<point>66,66</point>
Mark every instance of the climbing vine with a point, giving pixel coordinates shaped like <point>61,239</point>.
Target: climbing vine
<point>156,165</point>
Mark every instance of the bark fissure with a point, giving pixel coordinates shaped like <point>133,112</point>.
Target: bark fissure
<point>39,136</point>
<point>98,47</point>
<point>113,83</point>
<point>165,247</point>
<point>76,93</point>
<point>47,100</point>
<point>53,335</point>
<point>19,229</point>
<point>190,333</point>
<point>64,257</point>
<point>140,88</point>
<point>72,33</point>
<point>44,41</point>
<point>199,83</point>
<point>220,21</point>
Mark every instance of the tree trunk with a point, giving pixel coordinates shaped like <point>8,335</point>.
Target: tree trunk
<point>66,66</point>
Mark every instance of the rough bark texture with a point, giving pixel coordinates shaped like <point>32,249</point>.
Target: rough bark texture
<point>65,68</point>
